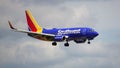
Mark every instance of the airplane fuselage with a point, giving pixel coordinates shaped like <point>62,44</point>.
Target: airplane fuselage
<point>79,35</point>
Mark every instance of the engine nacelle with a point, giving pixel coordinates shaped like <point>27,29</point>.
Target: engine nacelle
<point>59,38</point>
<point>80,40</point>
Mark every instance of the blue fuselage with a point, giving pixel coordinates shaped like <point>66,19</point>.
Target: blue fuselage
<point>72,33</point>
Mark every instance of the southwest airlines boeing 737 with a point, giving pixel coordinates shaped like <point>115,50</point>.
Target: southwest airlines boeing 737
<point>78,35</point>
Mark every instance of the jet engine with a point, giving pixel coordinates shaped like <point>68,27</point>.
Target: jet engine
<point>79,40</point>
<point>59,38</point>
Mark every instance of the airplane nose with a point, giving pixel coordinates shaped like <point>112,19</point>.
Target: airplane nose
<point>96,34</point>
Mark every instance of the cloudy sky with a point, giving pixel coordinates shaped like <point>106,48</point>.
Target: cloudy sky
<point>17,50</point>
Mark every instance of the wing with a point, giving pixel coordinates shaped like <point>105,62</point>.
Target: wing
<point>41,36</point>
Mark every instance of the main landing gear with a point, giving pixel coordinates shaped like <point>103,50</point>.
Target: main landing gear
<point>88,42</point>
<point>66,44</point>
<point>55,43</point>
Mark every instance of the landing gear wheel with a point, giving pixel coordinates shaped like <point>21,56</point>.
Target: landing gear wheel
<point>66,44</point>
<point>54,43</point>
<point>88,41</point>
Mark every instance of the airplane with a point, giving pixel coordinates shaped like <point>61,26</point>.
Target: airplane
<point>78,35</point>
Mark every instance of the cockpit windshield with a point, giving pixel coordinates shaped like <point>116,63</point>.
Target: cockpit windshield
<point>91,30</point>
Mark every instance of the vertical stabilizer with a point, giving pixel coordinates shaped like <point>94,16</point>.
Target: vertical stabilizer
<point>32,23</point>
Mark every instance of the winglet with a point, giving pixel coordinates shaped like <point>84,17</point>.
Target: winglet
<point>11,25</point>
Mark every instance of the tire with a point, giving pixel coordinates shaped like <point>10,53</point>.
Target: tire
<point>66,44</point>
<point>54,43</point>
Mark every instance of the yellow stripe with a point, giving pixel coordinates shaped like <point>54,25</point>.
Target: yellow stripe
<point>39,29</point>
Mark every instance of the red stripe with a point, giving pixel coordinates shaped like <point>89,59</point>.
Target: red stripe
<point>30,23</point>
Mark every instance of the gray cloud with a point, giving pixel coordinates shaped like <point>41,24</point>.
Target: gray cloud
<point>54,2</point>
